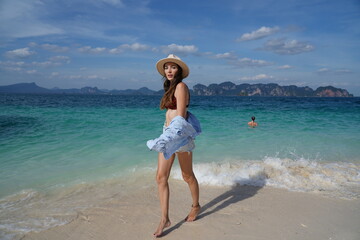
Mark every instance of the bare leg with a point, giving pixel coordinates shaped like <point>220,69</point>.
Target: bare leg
<point>185,160</point>
<point>162,176</point>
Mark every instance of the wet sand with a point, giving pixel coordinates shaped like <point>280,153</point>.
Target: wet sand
<point>241,212</point>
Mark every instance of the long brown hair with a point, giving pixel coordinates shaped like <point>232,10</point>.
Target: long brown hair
<point>169,88</point>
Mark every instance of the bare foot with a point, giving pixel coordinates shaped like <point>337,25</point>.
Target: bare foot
<point>194,212</point>
<point>163,224</point>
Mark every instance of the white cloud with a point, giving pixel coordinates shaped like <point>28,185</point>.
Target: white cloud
<point>135,47</point>
<point>88,49</point>
<point>94,77</point>
<point>75,76</point>
<point>259,33</point>
<point>53,62</point>
<point>240,62</point>
<point>44,64</point>
<point>257,77</point>
<point>327,71</point>
<point>20,53</point>
<point>283,47</point>
<point>12,66</point>
<point>323,70</point>
<point>179,49</point>
<point>54,48</point>
<point>343,71</point>
<point>31,71</point>
<point>226,55</point>
<point>116,3</point>
<point>64,59</point>
<point>89,77</point>
<point>12,69</point>
<point>247,62</point>
<point>285,67</point>
<point>117,50</point>
<point>33,44</point>
<point>11,63</point>
<point>131,47</point>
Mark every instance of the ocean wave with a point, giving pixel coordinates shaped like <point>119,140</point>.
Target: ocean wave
<point>338,179</point>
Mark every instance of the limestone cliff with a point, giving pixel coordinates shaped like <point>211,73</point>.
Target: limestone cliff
<point>267,90</point>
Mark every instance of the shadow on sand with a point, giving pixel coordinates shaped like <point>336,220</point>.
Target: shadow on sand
<point>236,194</point>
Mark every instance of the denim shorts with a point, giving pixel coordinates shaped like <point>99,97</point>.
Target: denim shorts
<point>186,148</point>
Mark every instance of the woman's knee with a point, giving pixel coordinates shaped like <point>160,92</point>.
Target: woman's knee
<point>161,178</point>
<point>189,177</point>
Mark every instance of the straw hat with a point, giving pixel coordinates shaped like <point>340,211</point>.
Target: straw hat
<point>174,59</point>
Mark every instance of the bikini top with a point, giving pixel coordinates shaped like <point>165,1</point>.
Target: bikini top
<point>173,104</point>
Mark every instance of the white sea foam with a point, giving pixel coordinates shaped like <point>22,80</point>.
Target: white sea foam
<point>335,179</point>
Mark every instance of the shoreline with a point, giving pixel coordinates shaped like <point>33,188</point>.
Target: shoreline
<point>239,212</point>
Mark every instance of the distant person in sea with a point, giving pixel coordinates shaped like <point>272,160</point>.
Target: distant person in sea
<point>252,123</point>
<point>170,144</point>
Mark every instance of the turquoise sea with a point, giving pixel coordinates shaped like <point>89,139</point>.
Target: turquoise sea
<point>60,154</point>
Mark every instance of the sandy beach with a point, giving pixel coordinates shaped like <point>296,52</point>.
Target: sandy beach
<point>240,212</point>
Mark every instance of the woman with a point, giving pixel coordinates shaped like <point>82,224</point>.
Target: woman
<point>176,101</point>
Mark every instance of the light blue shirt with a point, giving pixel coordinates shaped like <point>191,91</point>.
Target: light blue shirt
<point>179,133</point>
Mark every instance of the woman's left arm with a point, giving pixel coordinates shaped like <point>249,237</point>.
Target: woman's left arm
<point>182,95</point>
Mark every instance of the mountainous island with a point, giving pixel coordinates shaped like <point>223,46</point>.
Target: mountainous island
<point>32,88</point>
<point>267,90</point>
<point>222,89</point>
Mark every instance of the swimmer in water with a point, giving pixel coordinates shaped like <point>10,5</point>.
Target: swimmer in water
<point>252,123</point>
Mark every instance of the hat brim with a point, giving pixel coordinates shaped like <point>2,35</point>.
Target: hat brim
<point>160,66</point>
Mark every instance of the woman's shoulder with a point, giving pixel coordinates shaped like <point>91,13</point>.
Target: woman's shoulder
<point>182,86</point>
<point>181,89</point>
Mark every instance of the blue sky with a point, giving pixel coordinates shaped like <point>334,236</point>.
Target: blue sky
<point>115,44</point>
